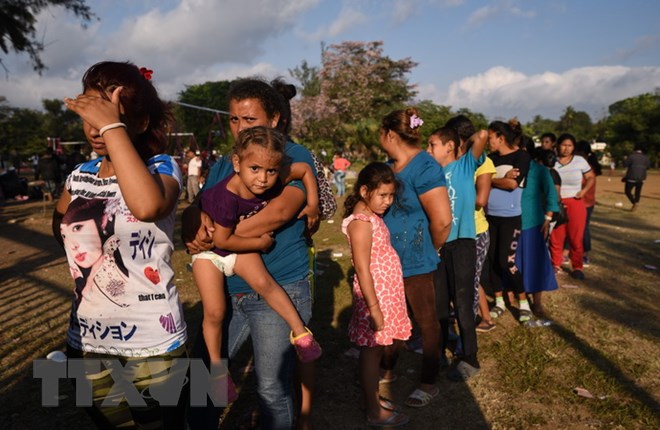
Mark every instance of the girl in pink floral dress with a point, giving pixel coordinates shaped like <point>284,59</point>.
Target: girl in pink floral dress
<point>379,304</point>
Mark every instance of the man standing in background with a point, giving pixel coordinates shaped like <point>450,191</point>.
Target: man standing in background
<point>194,173</point>
<point>637,164</point>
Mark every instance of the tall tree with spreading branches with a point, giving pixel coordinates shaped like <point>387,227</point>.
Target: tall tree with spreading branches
<point>17,26</point>
<point>357,85</point>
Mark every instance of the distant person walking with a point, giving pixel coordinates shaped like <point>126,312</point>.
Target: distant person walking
<point>340,164</point>
<point>637,164</point>
<point>194,173</point>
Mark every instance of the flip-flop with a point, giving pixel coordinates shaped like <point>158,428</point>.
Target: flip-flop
<point>420,398</point>
<point>497,312</point>
<point>525,315</point>
<point>388,380</point>
<point>485,326</point>
<point>397,419</point>
<point>462,372</point>
<point>389,405</point>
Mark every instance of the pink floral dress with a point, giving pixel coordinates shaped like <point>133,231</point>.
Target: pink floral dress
<point>386,271</point>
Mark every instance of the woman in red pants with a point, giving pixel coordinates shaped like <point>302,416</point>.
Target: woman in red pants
<point>572,169</point>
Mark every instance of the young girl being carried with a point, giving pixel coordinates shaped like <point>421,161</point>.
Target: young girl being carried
<point>260,171</point>
<point>379,304</point>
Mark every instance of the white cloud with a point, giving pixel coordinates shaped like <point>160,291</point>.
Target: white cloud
<point>502,7</point>
<point>502,92</point>
<point>198,34</point>
<point>348,19</point>
<point>402,10</point>
<point>482,14</point>
<point>196,41</point>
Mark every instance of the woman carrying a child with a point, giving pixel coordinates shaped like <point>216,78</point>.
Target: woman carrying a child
<point>253,102</point>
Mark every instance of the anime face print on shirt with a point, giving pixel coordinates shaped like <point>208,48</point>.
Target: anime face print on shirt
<point>92,250</point>
<point>82,240</point>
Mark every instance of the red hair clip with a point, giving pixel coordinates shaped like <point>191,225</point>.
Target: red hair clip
<point>146,73</point>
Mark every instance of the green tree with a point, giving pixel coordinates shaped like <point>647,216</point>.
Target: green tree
<point>578,123</point>
<point>61,122</point>
<point>539,125</point>
<point>17,21</point>
<point>635,120</point>
<point>21,130</point>
<point>308,77</point>
<point>209,128</point>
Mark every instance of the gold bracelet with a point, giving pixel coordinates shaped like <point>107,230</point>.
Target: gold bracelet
<point>371,306</point>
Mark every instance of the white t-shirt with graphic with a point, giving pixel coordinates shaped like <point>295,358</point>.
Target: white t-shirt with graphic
<point>125,301</point>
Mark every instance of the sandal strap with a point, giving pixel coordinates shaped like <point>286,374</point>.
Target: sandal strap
<point>293,338</point>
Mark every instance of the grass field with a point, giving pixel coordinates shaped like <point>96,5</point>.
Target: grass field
<point>605,336</point>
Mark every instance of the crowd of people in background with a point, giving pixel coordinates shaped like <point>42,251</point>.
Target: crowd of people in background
<point>446,236</point>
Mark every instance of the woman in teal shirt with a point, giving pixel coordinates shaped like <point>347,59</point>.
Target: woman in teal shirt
<point>419,224</point>
<point>539,201</point>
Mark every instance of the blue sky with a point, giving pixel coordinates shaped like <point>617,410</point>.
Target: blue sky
<point>502,58</point>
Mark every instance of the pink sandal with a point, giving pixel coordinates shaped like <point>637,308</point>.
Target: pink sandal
<point>307,348</point>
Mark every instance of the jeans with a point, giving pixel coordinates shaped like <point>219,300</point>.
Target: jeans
<point>274,357</point>
<point>340,177</point>
<point>586,243</point>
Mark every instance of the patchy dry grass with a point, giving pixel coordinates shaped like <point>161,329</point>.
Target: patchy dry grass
<point>604,338</point>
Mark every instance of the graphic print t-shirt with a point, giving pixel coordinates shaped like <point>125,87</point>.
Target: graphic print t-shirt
<point>459,175</point>
<point>126,303</point>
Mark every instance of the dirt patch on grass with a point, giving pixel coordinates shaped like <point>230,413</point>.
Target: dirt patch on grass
<point>604,337</point>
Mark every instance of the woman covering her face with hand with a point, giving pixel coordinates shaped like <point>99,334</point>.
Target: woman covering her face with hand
<point>115,220</point>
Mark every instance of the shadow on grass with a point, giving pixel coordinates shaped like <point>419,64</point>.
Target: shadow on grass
<point>633,286</point>
<point>600,361</point>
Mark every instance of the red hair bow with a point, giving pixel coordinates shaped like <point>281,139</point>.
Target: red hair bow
<point>146,73</point>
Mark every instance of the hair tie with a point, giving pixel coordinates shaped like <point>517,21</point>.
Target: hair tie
<point>415,122</point>
<point>146,73</point>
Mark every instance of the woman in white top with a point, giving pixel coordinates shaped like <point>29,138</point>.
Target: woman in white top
<point>572,169</point>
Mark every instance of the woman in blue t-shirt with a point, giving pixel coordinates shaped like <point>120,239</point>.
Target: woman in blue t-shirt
<point>419,224</point>
<point>253,102</point>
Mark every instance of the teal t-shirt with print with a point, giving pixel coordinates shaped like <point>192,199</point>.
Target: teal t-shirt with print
<point>406,219</point>
<point>459,175</point>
